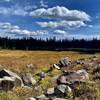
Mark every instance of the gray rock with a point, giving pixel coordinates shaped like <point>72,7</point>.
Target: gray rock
<point>42,97</point>
<point>29,66</point>
<point>7,83</point>
<point>17,80</point>
<point>80,76</point>
<point>84,74</point>
<point>59,99</point>
<point>28,88</point>
<point>42,75</point>
<point>56,66</point>
<point>62,80</point>
<point>31,98</point>
<point>78,62</point>
<point>94,58</point>
<point>50,91</point>
<point>65,61</point>
<point>96,69</point>
<point>28,80</point>
<point>62,90</point>
<point>55,77</point>
<point>96,78</point>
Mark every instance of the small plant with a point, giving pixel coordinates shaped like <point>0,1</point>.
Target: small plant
<point>8,96</point>
<point>54,72</point>
<point>69,95</point>
<point>22,92</point>
<point>45,83</point>
<point>88,90</point>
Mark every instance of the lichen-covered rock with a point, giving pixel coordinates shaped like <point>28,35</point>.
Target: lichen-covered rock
<point>7,73</point>
<point>80,75</point>
<point>65,61</point>
<point>28,80</point>
<point>7,83</point>
<point>62,90</point>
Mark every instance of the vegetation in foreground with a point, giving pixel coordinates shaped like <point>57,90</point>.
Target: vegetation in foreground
<point>17,61</point>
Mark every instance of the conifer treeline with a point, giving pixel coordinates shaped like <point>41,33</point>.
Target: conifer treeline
<point>48,44</point>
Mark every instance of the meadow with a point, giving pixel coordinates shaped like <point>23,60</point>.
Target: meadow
<point>17,61</point>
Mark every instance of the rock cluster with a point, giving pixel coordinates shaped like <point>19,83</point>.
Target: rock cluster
<point>65,81</point>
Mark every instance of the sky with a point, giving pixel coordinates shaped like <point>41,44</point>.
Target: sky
<point>50,18</point>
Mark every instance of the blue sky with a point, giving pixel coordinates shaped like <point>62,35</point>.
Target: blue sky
<point>49,18</point>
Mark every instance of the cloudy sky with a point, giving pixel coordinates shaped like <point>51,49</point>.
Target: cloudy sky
<point>49,18</point>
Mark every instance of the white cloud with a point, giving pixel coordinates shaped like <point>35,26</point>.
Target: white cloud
<point>30,7</point>
<point>61,13</point>
<point>13,11</point>
<point>9,29</point>
<point>60,32</point>
<point>42,4</point>
<point>7,0</point>
<point>94,26</point>
<point>8,26</point>
<point>62,24</point>
<point>90,26</point>
<point>63,17</point>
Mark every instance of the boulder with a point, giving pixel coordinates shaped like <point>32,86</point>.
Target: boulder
<point>7,83</point>
<point>28,80</point>
<point>7,73</point>
<point>83,74</point>
<point>65,61</point>
<point>62,90</point>
<point>62,80</point>
<point>80,76</point>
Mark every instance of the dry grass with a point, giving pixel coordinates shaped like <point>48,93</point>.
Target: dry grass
<point>17,60</point>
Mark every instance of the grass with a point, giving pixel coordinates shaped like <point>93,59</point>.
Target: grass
<point>17,60</point>
<point>8,96</point>
<point>89,90</point>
